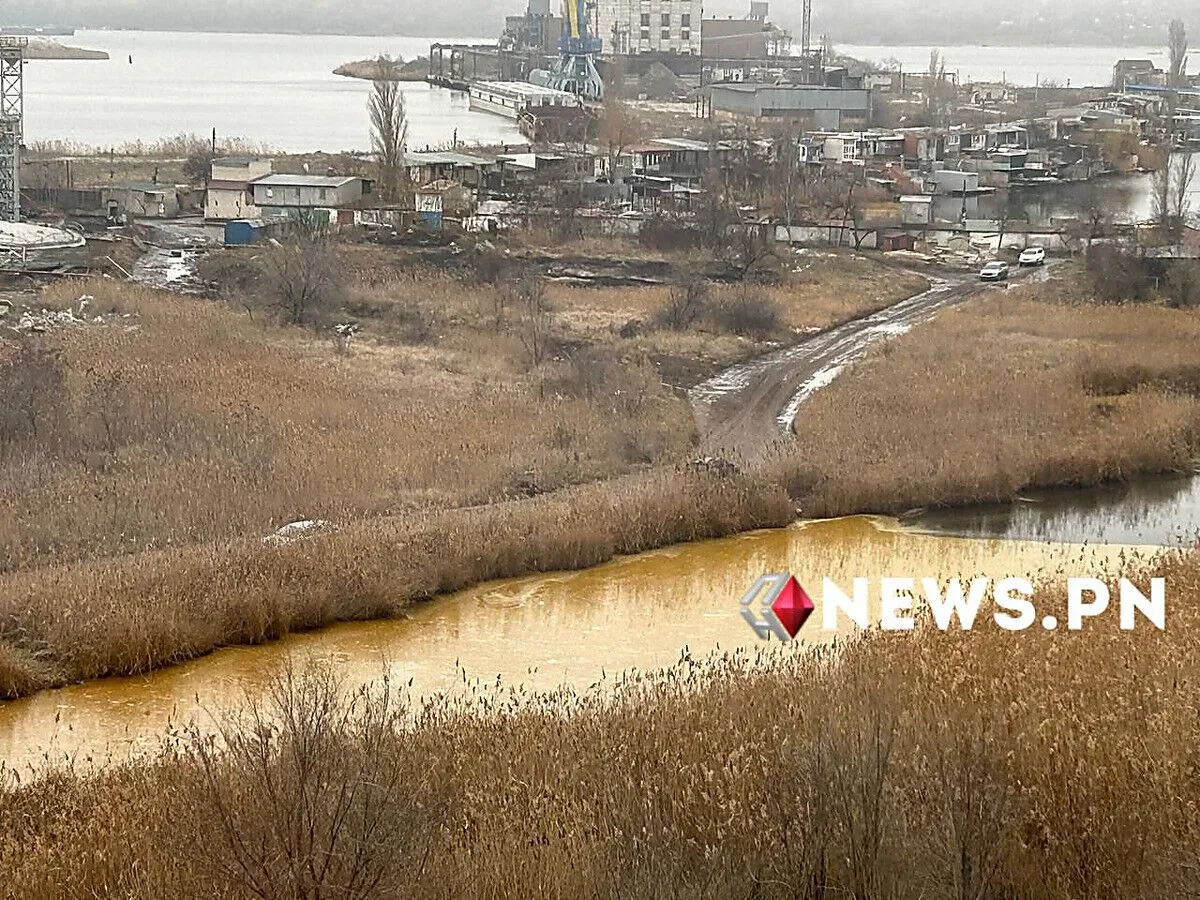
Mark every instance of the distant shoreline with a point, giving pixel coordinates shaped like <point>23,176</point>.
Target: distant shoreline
<point>42,48</point>
<point>368,70</point>
<point>475,39</point>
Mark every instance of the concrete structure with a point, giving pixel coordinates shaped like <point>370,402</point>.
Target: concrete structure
<point>229,195</point>
<point>738,39</point>
<point>859,146</point>
<point>828,109</point>
<point>512,98</point>
<point>446,165</point>
<point>1137,71</point>
<point>25,247</point>
<point>286,195</point>
<point>916,209</point>
<point>650,26</point>
<point>140,200</point>
<point>678,159</point>
<point>949,182</point>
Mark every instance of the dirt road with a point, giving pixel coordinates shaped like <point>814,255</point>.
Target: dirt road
<point>743,411</point>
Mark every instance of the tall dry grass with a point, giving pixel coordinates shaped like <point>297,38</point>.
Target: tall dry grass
<point>135,613</point>
<point>959,765</point>
<point>190,423</point>
<point>1010,392</point>
<point>144,459</point>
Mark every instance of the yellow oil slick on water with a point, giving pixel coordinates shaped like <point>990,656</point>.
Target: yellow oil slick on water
<point>542,631</point>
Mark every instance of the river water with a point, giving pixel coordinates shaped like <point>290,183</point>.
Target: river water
<point>279,90</point>
<point>540,632</point>
<point>274,90</point>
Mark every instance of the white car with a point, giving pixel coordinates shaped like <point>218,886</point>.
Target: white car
<point>1033,256</point>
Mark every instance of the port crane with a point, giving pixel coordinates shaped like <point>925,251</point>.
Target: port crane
<point>575,71</point>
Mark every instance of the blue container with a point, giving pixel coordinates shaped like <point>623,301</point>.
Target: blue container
<point>242,232</point>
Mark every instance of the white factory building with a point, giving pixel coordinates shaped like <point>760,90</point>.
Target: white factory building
<point>649,26</point>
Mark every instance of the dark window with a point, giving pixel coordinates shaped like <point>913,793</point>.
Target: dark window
<point>645,20</point>
<point>686,20</point>
<point>666,20</point>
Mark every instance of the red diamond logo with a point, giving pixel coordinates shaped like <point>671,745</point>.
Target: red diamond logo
<point>793,607</point>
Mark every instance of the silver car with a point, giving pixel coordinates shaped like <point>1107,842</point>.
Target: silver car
<point>994,271</point>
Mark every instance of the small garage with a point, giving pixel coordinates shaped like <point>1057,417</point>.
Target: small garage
<point>891,241</point>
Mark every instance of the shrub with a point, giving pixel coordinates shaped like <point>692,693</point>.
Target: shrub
<point>1116,274</point>
<point>688,302</point>
<point>667,235</point>
<point>748,312</point>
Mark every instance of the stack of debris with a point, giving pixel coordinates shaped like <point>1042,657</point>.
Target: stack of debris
<point>660,83</point>
<point>47,320</point>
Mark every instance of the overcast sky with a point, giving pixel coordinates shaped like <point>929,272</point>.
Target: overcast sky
<point>1135,23</point>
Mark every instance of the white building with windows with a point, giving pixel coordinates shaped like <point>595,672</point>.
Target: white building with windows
<point>650,26</point>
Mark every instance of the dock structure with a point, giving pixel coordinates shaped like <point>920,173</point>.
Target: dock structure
<point>12,112</point>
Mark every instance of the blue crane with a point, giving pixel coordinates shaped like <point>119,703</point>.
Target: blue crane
<point>575,70</point>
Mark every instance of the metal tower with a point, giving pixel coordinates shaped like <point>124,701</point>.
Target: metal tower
<point>12,111</point>
<point>806,34</point>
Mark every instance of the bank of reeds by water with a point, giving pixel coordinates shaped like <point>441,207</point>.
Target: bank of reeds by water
<point>969,765</point>
<point>1012,391</point>
<point>144,459</point>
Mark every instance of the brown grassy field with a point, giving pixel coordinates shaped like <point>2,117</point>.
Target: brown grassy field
<point>189,423</point>
<point>1015,390</point>
<point>967,765</point>
<point>143,460</point>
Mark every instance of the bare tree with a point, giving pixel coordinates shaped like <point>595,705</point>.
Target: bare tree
<point>1096,216</point>
<point>389,127</point>
<point>1177,53</point>
<point>687,303</point>
<point>1160,188</point>
<point>303,279</point>
<point>618,129</point>
<point>936,93</point>
<point>535,318</point>
<point>1183,167</point>
<point>789,171</point>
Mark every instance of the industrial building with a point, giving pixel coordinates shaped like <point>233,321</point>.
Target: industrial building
<point>650,26</point>
<point>229,194</point>
<point>140,200</point>
<point>287,195</point>
<point>743,39</point>
<point>822,108</point>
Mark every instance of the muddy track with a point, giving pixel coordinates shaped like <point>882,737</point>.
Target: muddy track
<point>745,410</point>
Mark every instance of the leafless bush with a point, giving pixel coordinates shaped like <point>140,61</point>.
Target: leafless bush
<point>535,317</point>
<point>667,235</point>
<point>31,376</point>
<point>303,281</point>
<point>748,312</point>
<point>1182,285</point>
<point>311,796</point>
<point>689,301</point>
<point>1116,274</point>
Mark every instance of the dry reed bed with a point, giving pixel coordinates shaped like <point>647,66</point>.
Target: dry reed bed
<point>983,765</point>
<point>1004,394</point>
<point>143,460</point>
<point>196,425</point>
<point>132,614</point>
